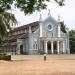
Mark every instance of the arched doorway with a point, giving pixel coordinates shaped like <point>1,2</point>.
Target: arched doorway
<point>21,49</point>
<point>49,47</point>
<point>55,47</point>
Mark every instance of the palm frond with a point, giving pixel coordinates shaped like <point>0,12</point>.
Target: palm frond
<point>6,19</point>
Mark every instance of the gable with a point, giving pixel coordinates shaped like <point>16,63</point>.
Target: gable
<point>51,20</point>
<point>50,27</point>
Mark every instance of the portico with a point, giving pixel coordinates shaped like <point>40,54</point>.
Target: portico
<point>54,47</point>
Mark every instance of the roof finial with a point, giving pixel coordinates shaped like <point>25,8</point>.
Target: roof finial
<point>49,12</point>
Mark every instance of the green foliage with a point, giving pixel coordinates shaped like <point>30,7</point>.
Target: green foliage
<point>72,41</point>
<point>5,57</point>
<point>5,5</point>
<point>63,28</point>
<point>28,6</point>
<point>60,2</point>
<point>6,19</point>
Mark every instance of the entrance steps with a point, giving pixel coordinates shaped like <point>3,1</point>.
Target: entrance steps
<point>41,57</point>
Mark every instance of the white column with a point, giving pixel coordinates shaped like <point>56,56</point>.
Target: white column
<point>18,49</point>
<point>59,30</point>
<point>58,47</point>
<point>63,47</point>
<point>30,29</point>
<point>18,46</point>
<point>52,47</point>
<point>30,42</point>
<point>45,46</point>
<point>68,43</point>
<point>40,29</point>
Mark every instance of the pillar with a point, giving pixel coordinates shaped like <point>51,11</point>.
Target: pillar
<point>58,47</point>
<point>59,30</point>
<point>63,47</point>
<point>52,47</point>
<point>30,29</point>
<point>40,24</point>
<point>40,29</point>
<point>68,48</point>
<point>18,46</point>
<point>18,49</point>
<point>45,47</point>
<point>30,42</point>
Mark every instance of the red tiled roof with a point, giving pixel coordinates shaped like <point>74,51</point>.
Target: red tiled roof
<point>26,26</point>
<point>11,41</point>
<point>15,37</point>
<point>23,36</point>
<point>10,44</point>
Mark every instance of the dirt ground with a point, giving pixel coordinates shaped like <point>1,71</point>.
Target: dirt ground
<point>38,67</point>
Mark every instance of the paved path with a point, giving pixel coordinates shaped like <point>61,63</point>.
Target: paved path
<point>35,57</point>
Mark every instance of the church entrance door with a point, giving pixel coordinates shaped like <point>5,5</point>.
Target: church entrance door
<point>55,47</point>
<point>21,49</point>
<point>49,47</point>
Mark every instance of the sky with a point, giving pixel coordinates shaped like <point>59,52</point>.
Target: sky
<point>66,13</point>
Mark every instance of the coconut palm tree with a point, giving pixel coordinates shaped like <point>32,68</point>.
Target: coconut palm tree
<point>6,19</point>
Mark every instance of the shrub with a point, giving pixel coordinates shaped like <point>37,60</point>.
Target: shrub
<point>5,57</point>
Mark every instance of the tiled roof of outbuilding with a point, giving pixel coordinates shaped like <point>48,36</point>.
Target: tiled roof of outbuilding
<point>26,26</point>
<point>11,41</point>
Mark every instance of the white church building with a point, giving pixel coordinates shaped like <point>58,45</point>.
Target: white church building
<point>43,36</point>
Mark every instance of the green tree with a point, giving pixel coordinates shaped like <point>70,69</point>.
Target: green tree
<point>63,27</point>
<point>72,41</point>
<point>6,18</point>
<point>28,6</point>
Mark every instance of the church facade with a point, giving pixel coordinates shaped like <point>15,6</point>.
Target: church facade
<point>43,36</point>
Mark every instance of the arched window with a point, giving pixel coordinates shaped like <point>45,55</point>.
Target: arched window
<point>35,46</point>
